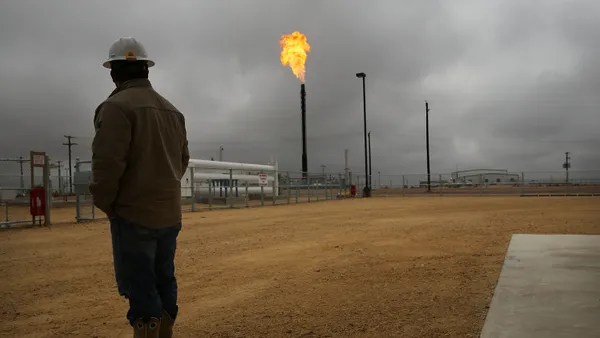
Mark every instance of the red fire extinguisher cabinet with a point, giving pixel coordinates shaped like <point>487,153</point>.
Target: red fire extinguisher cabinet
<point>37,202</point>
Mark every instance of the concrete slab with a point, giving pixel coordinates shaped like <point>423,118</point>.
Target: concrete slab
<point>549,287</point>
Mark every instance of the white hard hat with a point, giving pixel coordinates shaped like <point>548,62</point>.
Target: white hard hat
<point>127,48</point>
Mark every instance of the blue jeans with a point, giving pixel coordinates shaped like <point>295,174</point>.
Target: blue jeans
<point>145,268</point>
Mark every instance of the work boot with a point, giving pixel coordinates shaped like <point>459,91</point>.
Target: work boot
<point>166,326</point>
<point>149,329</point>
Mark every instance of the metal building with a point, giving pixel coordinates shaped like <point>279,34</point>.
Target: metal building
<point>485,177</point>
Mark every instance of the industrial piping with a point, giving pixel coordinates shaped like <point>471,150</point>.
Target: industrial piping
<point>207,164</point>
<point>203,174</point>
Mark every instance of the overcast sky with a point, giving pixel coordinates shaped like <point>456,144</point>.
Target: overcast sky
<point>511,84</point>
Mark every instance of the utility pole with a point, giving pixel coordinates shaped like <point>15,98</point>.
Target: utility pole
<point>427,137</point>
<point>323,168</point>
<point>70,144</point>
<point>221,153</point>
<point>567,165</point>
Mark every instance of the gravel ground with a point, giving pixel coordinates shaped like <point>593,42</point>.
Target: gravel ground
<point>389,267</point>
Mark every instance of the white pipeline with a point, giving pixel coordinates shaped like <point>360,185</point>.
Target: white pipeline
<point>205,171</point>
<point>206,164</point>
<point>204,176</point>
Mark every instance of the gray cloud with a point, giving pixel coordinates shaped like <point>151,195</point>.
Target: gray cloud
<point>511,84</point>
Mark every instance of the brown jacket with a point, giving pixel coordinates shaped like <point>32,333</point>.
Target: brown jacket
<point>140,153</point>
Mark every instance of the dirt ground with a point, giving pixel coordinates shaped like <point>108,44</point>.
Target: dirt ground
<point>384,267</point>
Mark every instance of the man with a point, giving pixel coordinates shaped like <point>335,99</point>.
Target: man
<point>140,153</point>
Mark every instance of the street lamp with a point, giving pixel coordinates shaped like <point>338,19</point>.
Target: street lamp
<point>367,189</point>
<point>370,168</point>
<point>427,144</point>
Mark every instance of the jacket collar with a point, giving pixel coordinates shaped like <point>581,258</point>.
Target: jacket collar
<point>131,84</point>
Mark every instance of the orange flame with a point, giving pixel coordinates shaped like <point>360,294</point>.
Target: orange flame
<point>293,53</point>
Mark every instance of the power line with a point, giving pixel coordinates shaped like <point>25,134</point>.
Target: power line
<point>70,144</point>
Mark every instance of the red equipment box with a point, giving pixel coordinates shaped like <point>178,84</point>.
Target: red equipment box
<point>353,190</point>
<point>37,202</point>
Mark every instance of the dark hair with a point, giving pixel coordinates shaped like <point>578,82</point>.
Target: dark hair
<point>122,70</point>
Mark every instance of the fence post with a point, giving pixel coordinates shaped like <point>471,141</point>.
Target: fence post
<point>230,184</point>
<point>329,188</point>
<point>77,196</point>
<point>262,194</point>
<point>403,186</point>
<point>210,193</point>
<point>93,209</point>
<point>246,198</point>
<point>348,185</point>
<point>482,185</point>
<point>275,180</point>
<point>193,187</point>
<point>308,187</point>
<point>318,189</point>
<point>48,187</point>
<point>289,186</point>
<point>522,183</point>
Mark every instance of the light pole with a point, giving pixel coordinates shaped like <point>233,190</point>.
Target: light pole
<point>367,189</point>
<point>221,153</point>
<point>427,137</point>
<point>370,168</point>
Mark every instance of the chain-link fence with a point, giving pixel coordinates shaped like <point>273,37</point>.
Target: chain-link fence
<point>14,207</point>
<point>489,183</point>
<point>16,185</point>
<point>211,188</point>
<point>84,202</point>
<point>14,200</point>
<point>217,188</point>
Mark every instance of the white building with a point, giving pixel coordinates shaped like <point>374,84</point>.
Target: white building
<point>486,176</point>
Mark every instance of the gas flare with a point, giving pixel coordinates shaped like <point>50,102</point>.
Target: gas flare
<point>293,53</point>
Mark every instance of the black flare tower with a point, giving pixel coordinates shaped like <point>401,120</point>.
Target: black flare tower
<point>304,156</point>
